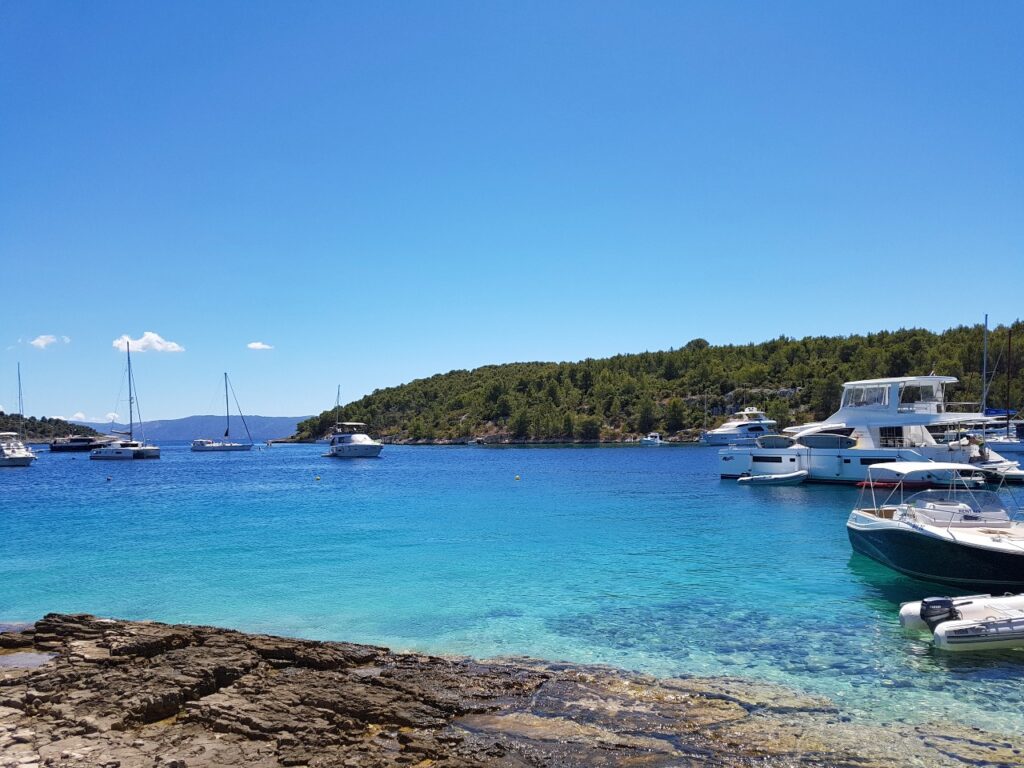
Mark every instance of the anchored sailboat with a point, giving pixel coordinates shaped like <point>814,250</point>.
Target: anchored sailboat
<point>130,448</point>
<point>204,445</point>
<point>13,452</point>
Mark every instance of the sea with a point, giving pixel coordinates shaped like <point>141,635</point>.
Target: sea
<point>637,557</point>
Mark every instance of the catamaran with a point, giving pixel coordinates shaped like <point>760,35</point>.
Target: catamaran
<point>130,448</point>
<point>203,445</point>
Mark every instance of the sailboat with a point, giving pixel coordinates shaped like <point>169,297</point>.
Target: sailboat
<point>13,452</point>
<point>203,444</point>
<point>130,448</point>
<point>349,439</point>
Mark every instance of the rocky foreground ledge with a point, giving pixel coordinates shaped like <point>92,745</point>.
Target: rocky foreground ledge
<point>124,694</point>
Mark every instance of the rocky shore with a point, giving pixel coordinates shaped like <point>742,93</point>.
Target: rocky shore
<point>76,690</point>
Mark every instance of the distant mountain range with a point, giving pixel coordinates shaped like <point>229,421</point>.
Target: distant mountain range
<point>191,427</point>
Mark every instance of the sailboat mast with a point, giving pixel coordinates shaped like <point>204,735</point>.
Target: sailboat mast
<point>337,408</point>
<point>131,397</point>
<point>1009,370</point>
<point>984,369</point>
<point>227,407</point>
<point>21,407</point>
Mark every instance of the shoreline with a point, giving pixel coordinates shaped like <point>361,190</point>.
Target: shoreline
<point>142,693</point>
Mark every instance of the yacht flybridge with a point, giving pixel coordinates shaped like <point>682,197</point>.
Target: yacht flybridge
<point>879,420</point>
<point>742,429</point>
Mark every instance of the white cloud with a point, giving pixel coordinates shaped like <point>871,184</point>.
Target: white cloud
<point>112,416</point>
<point>42,342</point>
<point>77,416</point>
<point>148,342</point>
<point>258,345</point>
<point>66,339</point>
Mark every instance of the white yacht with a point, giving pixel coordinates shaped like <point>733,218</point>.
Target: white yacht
<point>652,438</point>
<point>350,441</point>
<point>13,452</point>
<point>205,445</point>
<point>879,420</point>
<point>130,448</point>
<point>742,429</point>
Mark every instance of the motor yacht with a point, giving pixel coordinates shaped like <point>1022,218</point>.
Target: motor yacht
<point>79,443</point>
<point>957,535</point>
<point>879,420</point>
<point>742,429</point>
<point>651,438</point>
<point>13,452</point>
<point>350,441</point>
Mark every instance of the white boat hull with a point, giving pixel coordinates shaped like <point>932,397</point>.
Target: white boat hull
<point>789,478</point>
<point>126,454</point>
<point>354,451</point>
<point>985,623</point>
<point>216,447</point>
<point>16,461</point>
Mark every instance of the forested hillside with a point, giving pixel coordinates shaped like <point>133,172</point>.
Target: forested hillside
<point>674,391</point>
<point>40,430</point>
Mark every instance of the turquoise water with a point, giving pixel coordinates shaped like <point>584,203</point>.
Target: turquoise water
<point>637,557</point>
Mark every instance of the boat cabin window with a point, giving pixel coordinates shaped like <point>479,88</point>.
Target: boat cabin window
<point>871,395</point>
<point>920,393</point>
<point>755,428</point>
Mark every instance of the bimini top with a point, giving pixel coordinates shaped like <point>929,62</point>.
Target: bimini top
<point>905,468</point>
<point>351,424</point>
<point>904,380</point>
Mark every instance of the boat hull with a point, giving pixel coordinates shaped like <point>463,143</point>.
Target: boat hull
<point>939,561</point>
<point>354,451</point>
<point>16,461</point>
<point>827,465</point>
<point>222,447</point>
<point>125,454</point>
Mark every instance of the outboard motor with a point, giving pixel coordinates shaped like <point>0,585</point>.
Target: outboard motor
<point>935,610</point>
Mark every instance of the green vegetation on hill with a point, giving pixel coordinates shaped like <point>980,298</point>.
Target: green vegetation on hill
<point>672,391</point>
<point>40,430</point>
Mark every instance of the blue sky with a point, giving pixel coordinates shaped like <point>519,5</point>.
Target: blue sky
<point>383,191</point>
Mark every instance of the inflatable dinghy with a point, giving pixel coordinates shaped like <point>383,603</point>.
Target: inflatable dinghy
<point>972,623</point>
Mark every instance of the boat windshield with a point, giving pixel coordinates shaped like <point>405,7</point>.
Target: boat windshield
<point>955,502</point>
<point>870,395</point>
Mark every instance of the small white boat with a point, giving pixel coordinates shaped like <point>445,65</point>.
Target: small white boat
<point>972,623</point>
<point>652,438</point>
<point>204,445</point>
<point>130,448</point>
<point>786,478</point>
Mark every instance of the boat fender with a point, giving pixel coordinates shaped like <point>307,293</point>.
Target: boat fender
<point>935,610</point>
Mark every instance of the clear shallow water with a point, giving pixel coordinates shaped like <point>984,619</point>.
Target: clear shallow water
<point>636,557</point>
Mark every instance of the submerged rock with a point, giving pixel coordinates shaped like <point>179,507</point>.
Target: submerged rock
<point>143,694</point>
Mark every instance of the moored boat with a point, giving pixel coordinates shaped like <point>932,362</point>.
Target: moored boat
<point>13,452</point>
<point>789,478</point>
<point>130,448</point>
<point>79,443</point>
<point>349,439</point>
<point>879,420</point>
<point>651,438</point>
<point>205,445</point>
<point>743,428</point>
<point>971,623</point>
<point>959,536</point>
